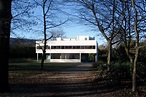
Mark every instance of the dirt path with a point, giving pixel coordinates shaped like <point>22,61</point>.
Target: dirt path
<point>72,82</point>
<point>78,81</point>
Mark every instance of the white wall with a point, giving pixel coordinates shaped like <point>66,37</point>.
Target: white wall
<point>79,41</point>
<point>69,43</point>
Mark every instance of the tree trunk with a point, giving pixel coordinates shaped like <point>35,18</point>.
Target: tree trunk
<point>45,38</point>
<point>134,70</point>
<point>5,25</point>
<point>109,52</point>
<point>43,56</point>
<point>136,46</point>
<point>42,61</point>
<point>128,54</point>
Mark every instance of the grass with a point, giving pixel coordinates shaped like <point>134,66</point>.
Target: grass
<point>36,66</point>
<point>22,60</point>
<point>24,70</point>
<point>32,64</point>
<point>23,82</point>
<point>24,67</point>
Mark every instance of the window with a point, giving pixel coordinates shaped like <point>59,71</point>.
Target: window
<point>65,56</point>
<point>76,47</point>
<point>55,47</point>
<point>42,47</point>
<point>82,47</point>
<point>75,56</point>
<point>89,47</point>
<point>93,47</point>
<point>39,47</point>
<point>55,56</point>
<point>61,47</point>
<point>47,47</point>
<point>72,47</point>
<point>52,47</point>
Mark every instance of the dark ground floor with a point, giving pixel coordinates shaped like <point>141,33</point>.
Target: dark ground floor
<point>69,57</point>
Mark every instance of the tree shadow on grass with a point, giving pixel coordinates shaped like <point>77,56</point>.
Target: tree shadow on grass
<point>48,67</point>
<point>59,89</point>
<point>67,83</point>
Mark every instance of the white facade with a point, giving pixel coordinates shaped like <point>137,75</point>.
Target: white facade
<point>69,50</point>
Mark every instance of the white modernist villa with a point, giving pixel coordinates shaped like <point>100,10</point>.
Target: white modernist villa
<point>69,50</point>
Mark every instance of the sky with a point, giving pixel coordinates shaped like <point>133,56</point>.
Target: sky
<point>72,29</point>
<point>75,30</point>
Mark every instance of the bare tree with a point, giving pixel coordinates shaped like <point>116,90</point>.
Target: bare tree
<point>5,25</point>
<point>118,20</point>
<point>22,17</point>
<point>134,14</point>
<point>137,47</point>
<point>49,9</point>
<point>100,14</point>
<point>57,33</point>
<point>126,29</point>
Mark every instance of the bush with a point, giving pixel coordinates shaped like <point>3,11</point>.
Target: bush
<point>141,73</point>
<point>119,54</point>
<point>119,72</point>
<point>99,65</point>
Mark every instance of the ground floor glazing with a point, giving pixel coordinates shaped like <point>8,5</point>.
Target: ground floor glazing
<point>69,57</point>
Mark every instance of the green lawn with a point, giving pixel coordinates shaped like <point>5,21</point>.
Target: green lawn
<point>24,70</point>
<point>36,66</point>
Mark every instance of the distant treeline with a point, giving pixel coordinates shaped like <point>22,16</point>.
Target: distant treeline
<point>22,52</point>
<point>119,53</point>
<point>22,48</point>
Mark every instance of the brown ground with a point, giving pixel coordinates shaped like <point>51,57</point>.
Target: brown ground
<point>73,82</point>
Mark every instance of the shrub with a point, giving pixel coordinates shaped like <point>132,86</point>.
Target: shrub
<point>141,73</point>
<point>102,67</point>
<point>97,64</point>
<point>119,72</point>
